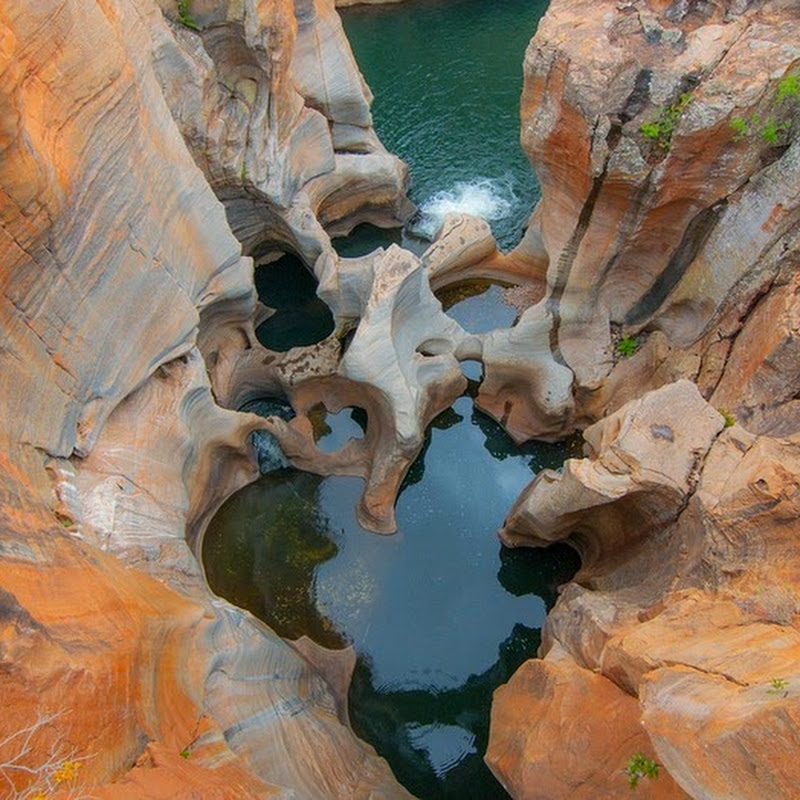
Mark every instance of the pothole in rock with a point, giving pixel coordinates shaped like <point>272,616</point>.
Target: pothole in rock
<point>301,318</point>
<point>439,613</point>
<point>334,431</point>
<point>365,239</point>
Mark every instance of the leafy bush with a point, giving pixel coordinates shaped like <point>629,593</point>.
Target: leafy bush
<point>788,87</point>
<point>627,346</point>
<point>772,130</point>
<point>640,767</point>
<point>740,128</point>
<point>663,128</point>
<point>185,15</point>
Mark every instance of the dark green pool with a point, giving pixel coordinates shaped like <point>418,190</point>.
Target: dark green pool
<point>439,613</point>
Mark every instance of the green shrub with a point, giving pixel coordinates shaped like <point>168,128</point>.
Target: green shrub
<point>772,130</point>
<point>185,15</point>
<point>740,128</point>
<point>627,346</point>
<point>640,767</point>
<point>730,420</point>
<point>663,128</point>
<point>788,87</point>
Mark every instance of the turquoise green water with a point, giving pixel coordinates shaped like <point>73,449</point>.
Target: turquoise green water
<point>447,78</point>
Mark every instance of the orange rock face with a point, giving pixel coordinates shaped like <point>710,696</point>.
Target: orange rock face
<point>686,603</point>
<point>669,204</point>
<point>117,262</point>
<point>563,731</point>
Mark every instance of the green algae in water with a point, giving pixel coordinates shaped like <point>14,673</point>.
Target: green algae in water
<point>439,613</point>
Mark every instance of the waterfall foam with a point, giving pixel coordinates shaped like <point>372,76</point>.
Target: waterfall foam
<point>487,198</point>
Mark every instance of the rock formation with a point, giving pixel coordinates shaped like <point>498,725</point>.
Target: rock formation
<point>123,290</point>
<point>686,603</point>
<point>665,139</point>
<point>148,145</point>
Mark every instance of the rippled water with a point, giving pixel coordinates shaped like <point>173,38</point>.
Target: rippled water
<point>447,78</point>
<point>439,613</point>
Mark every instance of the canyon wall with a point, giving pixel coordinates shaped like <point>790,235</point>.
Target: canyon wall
<point>122,281</point>
<point>665,137</point>
<point>148,145</point>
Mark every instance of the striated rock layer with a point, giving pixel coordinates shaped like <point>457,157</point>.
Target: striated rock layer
<point>665,139</point>
<point>685,612</point>
<point>122,288</point>
<point>146,145</point>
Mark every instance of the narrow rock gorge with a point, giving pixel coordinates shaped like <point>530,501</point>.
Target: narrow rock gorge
<point>151,150</point>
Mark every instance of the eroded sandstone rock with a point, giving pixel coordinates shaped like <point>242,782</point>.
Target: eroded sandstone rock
<point>563,731</point>
<point>681,227</point>
<point>118,263</point>
<point>686,601</point>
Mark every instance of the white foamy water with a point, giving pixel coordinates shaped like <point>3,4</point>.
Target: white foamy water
<point>489,199</point>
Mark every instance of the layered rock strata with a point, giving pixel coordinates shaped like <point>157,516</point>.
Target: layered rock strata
<point>664,136</point>
<point>123,288</point>
<point>127,314</point>
<point>684,613</point>
<point>665,139</point>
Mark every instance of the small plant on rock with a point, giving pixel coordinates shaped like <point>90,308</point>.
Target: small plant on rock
<point>662,129</point>
<point>778,686</point>
<point>639,766</point>
<point>627,346</point>
<point>771,131</point>
<point>185,15</point>
<point>788,87</point>
<point>730,420</point>
<point>29,772</point>
<point>740,128</point>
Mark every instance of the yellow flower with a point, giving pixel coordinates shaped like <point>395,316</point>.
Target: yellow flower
<point>67,771</point>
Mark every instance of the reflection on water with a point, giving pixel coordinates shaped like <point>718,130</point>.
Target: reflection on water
<point>478,306</point>
<point>438,613</point>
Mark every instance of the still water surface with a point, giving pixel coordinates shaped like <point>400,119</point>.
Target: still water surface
<point>439,613</point>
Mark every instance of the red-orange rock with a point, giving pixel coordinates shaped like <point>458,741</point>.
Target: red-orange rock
<point>562,731</point>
